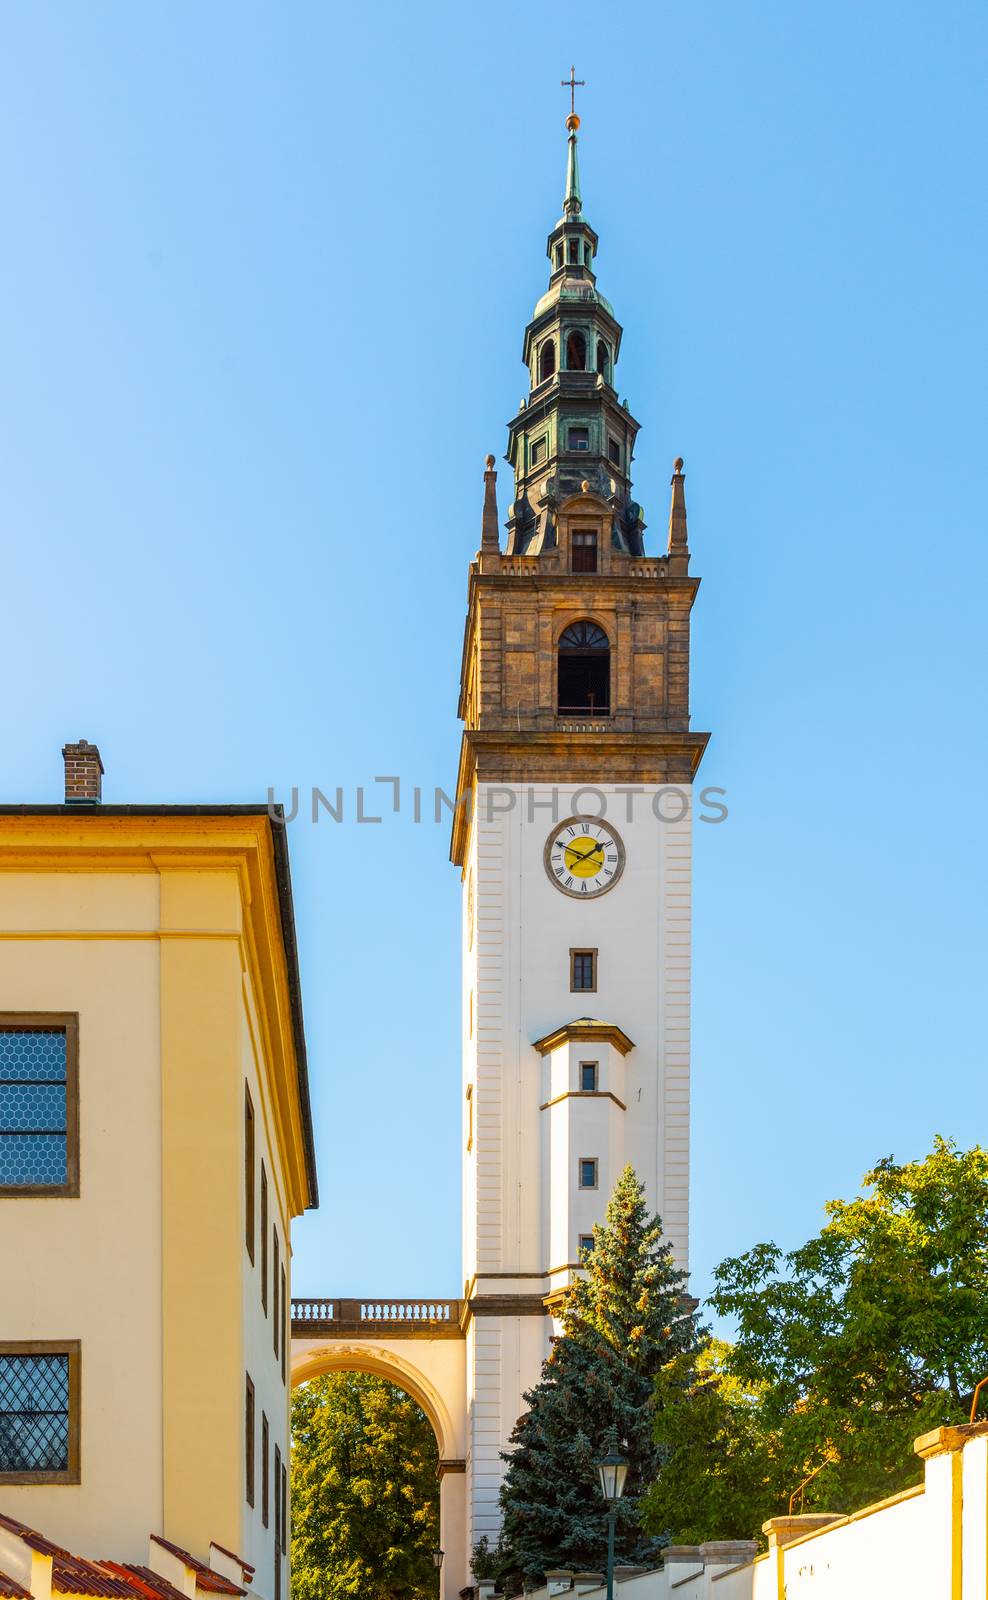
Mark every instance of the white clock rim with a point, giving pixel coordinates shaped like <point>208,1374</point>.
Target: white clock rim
<point>579,894</point>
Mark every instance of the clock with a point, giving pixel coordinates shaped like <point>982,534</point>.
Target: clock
<point>584,857</point>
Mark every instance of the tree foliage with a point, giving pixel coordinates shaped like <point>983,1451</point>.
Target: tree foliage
<point>872,1332</point>
<point>621,1324</point>
<point>365,1495</point>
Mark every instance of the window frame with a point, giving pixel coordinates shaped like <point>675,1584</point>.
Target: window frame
<point>250,1163</point>
<point>264,1238</point>
<point>265,1475</point>
<point>582,950</point>
<point>578,430</point>
<point>28,1022</point>
<point>250,1452</point>
<point>593,1161</point>
<point>584,1244</point>
<point>275,1286</point>
<point>538,451</point>
<point>594,1067</point>
<point>286,1320</point>
<point>586,539</point>
<point>72,1473</point>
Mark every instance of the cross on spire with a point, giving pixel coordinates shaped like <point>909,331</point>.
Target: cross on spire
<point>572,83</point>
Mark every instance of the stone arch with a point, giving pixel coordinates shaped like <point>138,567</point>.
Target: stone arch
<point>381,1362</point>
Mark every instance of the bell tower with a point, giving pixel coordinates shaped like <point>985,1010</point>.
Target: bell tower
<point>573,839</point>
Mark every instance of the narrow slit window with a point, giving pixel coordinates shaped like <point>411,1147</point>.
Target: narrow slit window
<point>249,1172</point>
<point>249,1440</point>
<point>286,1330</point>
<point>589,1077</point>
<point>264,1239</point>
<point>276,1317</point>
<point>613,452</point>
<point>588,1172</point>
<point>265,1450</point>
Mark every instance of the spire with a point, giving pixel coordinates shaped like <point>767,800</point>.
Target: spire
<point>678,545</point>
<point>489,535</point>
<point>572,203</point>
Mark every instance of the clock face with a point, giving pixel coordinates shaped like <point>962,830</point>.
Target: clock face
<point>584,857</point>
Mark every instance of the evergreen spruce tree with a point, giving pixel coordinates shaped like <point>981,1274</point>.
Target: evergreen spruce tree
<point>622,1323</point>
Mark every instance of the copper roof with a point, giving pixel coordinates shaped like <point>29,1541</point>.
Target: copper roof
<point>11,1590</point>
<point>206,1578</point>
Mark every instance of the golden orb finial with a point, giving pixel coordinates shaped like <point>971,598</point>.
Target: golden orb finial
<point>585,487</point>
<point>490,463</point>
<point>677,465</point>
<point>572,122</point>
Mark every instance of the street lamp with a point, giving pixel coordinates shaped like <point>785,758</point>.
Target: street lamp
<point>612,1472</point>
<point>437,1559</point>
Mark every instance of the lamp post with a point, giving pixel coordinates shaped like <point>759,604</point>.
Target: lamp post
<point>612,1471</point>
<point>437,1562</point>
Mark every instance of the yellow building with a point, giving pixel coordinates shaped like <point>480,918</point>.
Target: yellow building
<point>155,1145</point>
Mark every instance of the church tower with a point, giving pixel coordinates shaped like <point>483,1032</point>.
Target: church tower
<point>573,837</point>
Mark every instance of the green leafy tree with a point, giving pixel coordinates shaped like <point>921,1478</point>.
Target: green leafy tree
<point>622,1324</point>
<point>869,1334</point>
<point>365,1504</point>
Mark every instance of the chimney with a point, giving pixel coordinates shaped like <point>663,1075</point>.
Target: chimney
<point>83,774</point>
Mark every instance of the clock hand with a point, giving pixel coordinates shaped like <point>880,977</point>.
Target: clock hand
<point>597,849</point>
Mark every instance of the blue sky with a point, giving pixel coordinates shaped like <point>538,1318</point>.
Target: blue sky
<point>263,285</point>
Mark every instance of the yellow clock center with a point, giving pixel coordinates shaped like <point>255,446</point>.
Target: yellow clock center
<point>584,857</point>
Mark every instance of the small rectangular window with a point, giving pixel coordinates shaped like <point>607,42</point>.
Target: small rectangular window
<point>584,550</point>
<point>265,1446</point>
<point>583,971</point>
<point>249,1171</point>
<point>586,1244</point>
<point>589,1073</point>
<point>538,450</point>
<point>613,452</point>
<point>284,1509</point>
<point>249,1440</point>
<point>39,1104</point>
<point>559,255</point>
<point>276,1318</point>
<point>579,438</point>
<point>588,1172</point>
<point>39,1411</point>
<point>264,1239</point>
<point>285,1332</point>
<point>574,250</point>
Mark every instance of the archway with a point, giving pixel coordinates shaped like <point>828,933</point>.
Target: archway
<point>433,1373</point>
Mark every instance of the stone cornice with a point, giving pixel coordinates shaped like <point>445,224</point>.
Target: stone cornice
<point>585,1028</point>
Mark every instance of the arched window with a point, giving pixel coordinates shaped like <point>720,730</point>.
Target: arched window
<point>547,360</point>
<point>602,358</point>
<point>576,351</point>
<point>584,671</point>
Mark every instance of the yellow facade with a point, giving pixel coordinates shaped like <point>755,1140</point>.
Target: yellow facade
<point>169,933</point>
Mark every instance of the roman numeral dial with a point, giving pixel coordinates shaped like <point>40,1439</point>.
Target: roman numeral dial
<point>584,857</point>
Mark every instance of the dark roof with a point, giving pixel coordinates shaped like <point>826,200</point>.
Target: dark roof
<point>206,1578</point>
<point>283,876</point>
<point>246,1565</point>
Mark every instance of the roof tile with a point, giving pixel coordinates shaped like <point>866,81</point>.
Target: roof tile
<point>206,1578</point>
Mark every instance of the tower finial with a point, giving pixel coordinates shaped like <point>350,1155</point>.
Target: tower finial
<point>678,536</point>
<point>489,538</point>
<point>572,203</point>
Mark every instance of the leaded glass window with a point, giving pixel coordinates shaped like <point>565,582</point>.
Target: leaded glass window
<point>38,1100</point>
<point>39,1391</point>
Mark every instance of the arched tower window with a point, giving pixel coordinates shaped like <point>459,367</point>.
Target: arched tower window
<point>603,361</point>
<point>547,360</point>
<point>576,351</point>
<point>584,671</point>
